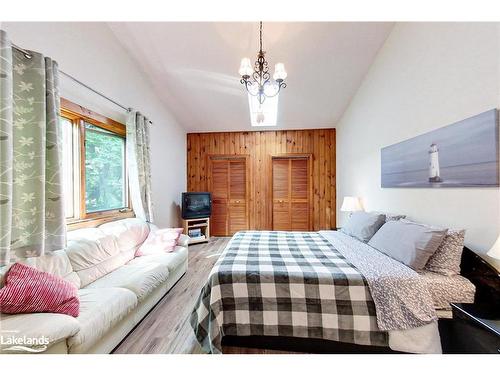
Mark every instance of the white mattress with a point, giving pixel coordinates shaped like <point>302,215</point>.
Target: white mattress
<point>447,289</point>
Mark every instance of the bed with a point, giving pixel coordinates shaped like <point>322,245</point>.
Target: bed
<point>323,286</point>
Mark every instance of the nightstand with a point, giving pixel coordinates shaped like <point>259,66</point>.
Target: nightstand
<point>474,329</point>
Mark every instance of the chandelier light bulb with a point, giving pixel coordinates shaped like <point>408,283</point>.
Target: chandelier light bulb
<point>270,88</point>
<point>279,72</point>
<point>245,67</point>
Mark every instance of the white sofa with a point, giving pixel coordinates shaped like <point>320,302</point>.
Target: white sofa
<point>116,288</point>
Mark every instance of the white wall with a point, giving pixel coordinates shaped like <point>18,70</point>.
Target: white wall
<point>426,76</point>
<point>91,53</point>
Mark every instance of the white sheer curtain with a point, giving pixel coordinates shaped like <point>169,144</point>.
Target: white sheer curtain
<point>139,165</point>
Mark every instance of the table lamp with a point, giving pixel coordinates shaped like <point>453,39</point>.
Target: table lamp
<point>494,252</point>
<point>351,204</point>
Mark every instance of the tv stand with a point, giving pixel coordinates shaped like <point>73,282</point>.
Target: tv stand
<point>201,223</point>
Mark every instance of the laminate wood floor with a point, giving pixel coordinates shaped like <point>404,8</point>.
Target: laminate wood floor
<point>166,328</point>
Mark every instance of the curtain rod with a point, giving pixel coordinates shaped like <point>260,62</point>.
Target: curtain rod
<point>27,54</point>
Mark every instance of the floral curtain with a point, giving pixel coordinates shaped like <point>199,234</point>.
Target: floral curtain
<point>139,165</point>
<point>32,219</point>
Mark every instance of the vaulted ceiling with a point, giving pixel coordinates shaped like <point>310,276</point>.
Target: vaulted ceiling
<point>194,68</point>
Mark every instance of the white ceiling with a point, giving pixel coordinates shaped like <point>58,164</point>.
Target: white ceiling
<point>194,68</point>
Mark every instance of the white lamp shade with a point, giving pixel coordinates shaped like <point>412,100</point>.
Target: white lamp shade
<point>494,252</point>
<point>351,204</point>
<point>279,72</point>
<point>245,67</point>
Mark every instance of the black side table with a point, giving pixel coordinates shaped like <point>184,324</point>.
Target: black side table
<point>475,329</point>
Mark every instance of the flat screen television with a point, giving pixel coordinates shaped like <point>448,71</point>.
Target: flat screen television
<point>196,205</point>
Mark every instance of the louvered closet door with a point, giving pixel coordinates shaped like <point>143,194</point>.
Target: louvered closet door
<point>238,218</point>
<point>281,194</point>
<point>220,197</point>
<point>299,194</point>
<point>291,194</point>
<point>228,185</point>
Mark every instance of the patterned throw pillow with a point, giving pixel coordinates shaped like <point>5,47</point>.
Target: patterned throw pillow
<point>390,217</point>
<point>446,260</point>
<point>28,290</point>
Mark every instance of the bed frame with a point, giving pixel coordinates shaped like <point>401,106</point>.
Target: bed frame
<point>484,276</point>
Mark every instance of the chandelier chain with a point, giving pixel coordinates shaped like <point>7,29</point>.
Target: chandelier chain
<point>261,35</point>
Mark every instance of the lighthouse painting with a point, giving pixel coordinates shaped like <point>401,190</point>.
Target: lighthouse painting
<point>434,164</point>
<point>463,154</point>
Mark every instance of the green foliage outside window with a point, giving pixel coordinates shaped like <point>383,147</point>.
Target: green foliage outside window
<point>104,170</point>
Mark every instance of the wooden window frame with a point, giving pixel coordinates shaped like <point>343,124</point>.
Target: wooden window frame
<point>80,115</point>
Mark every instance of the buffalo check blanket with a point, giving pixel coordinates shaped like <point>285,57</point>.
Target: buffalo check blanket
<point>285,284</point>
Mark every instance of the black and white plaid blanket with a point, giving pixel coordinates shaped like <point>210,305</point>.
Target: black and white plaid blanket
<point>285,284</point>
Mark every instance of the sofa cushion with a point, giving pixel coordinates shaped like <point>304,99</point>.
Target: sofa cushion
<point>130,234</point>
<point>3,273</point>
<point>93,254</point>
<point>140,278</point>
<point>45,328</point>
<point>56,263</point>
<point>172,260</point>
<point>100,310</point>
<point>183,240</point>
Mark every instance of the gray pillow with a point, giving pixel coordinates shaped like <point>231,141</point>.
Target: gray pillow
<point>408,242</point>
<point>363,225</point>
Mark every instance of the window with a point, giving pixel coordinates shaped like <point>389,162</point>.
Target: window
<point>265,114</point>
<point>94,173</point>
<point>104,170</point>
<point>68,162</point>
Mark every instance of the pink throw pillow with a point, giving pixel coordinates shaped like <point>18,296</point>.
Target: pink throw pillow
<point>28,290</point>
<point>170,233</point>
<point>162,240</point>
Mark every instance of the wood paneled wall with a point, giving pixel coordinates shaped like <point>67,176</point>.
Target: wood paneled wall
<point>261,146</point>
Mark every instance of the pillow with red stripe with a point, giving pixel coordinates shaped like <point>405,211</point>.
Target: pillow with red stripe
<point>28,290</point>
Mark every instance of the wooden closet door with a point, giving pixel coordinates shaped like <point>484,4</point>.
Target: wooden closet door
<point>228,185</point>
<point>238,219</point>
<point>299,194</point>
<point>281,194</point>
<point>220,194</point>
<point>291,193</point>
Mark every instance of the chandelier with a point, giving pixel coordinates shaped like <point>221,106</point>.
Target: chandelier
<point>257,79</point>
